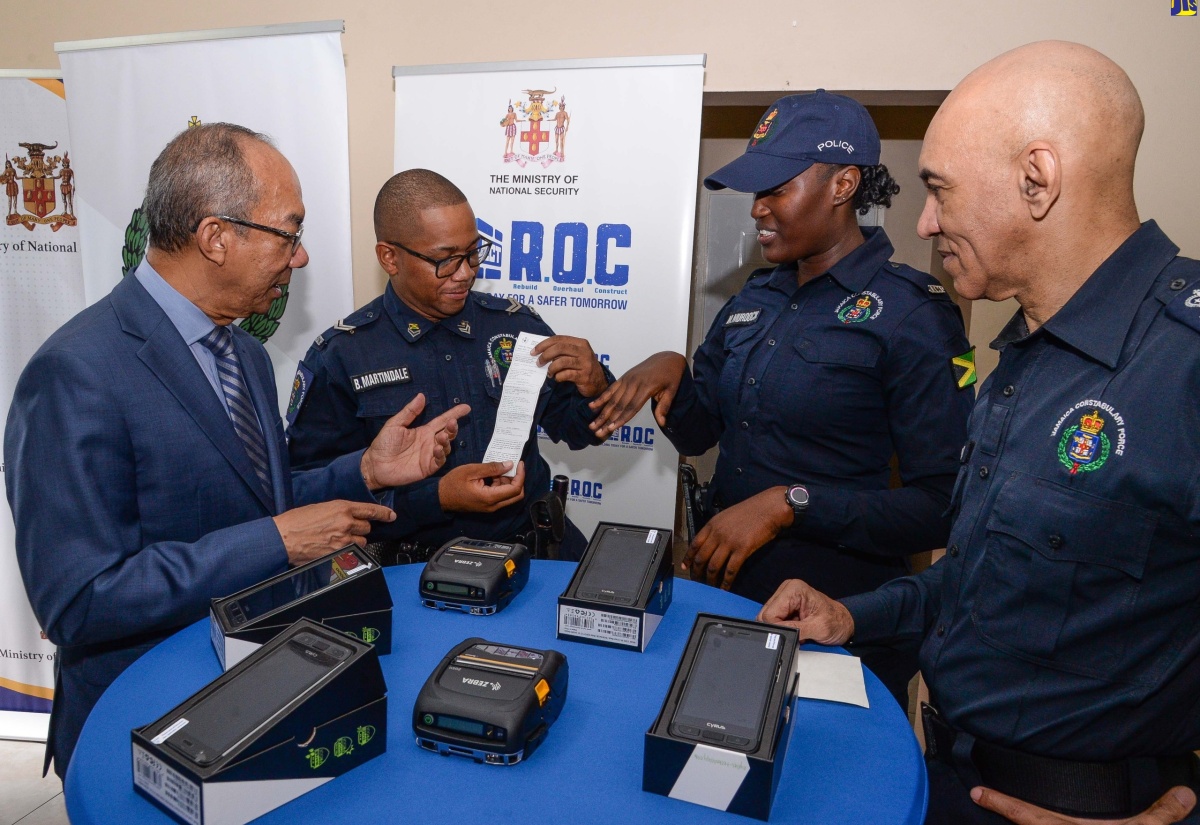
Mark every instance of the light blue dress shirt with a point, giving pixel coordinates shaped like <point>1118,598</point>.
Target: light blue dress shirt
<point>188,318</point>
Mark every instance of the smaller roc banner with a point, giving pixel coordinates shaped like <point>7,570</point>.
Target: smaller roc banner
<point>131,95</point>
<point>41,286</point>
<point>583,173</point>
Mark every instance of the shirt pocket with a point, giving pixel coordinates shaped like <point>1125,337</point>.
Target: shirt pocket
<point>739,343</point>
<point>829,385</point>
<point>377,405</point>
<point>1061,578</point>
<point>840,349</point>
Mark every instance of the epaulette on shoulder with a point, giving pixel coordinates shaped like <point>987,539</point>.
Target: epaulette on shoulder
<point>922,282</point>
<point>760,276</point>
<point>352,322</point>
<point>510,305</point>
<point>1185,306</point>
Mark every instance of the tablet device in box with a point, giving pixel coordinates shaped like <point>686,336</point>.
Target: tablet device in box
<point>726,690</point>
<point>621,588</point>
<point>305,707</point>
<point>722,733</point>
<point>232,713</point>
<point>344,590</point>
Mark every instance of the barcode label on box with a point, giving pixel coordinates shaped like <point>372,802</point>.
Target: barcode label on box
<point>178,793</point>
<point>652,537</point>
<point>596,624</point>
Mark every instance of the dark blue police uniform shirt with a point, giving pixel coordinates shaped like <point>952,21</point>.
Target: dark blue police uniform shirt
<point>821,385</point>
<point>1065,618</point>
<point>361,372</point>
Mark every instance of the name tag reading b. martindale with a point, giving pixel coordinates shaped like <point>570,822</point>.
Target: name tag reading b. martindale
<point>380,378</point>
<point>518,403</point>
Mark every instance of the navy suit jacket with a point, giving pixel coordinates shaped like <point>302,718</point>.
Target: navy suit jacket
<point>134,500</point>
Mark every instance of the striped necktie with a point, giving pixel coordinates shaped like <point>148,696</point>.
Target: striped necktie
<point>219,342</point>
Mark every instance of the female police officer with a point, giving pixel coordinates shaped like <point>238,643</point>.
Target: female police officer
<point>813,376</point>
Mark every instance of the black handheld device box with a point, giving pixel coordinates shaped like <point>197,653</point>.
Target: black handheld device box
<point>722,733</point>
<point>479,577</point>
<point>493,703</point>
<point>344,590</point>
<point>308,705</point>
<point>621,588</point>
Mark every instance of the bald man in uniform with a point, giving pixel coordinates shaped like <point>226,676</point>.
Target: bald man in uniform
<point>1061,636</point>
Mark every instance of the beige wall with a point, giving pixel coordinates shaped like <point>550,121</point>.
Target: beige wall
<point>769,46</point>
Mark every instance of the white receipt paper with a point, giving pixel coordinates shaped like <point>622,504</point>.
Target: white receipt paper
<point>518,402</point>
<point>833,677</point>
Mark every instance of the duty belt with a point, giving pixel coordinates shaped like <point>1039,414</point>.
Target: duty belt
<point>1099,790</point>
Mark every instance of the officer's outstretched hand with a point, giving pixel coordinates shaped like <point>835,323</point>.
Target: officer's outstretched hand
<point>571,359</point>
<point>311,531</point>
<point>1172,806</point>
<point>657,377</point>
<point>720,549</point>
<point>815,616</point>
<point>401,455</point>
<point>481,488</point>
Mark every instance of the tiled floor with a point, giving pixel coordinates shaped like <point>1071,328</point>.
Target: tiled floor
<point>26,797</point>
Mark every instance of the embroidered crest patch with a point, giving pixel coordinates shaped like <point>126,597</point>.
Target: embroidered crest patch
<point>854,309</point>
<point>1084,444</point>
<point>500,356</point>
<point>300,387</point>
<point>763,130</point>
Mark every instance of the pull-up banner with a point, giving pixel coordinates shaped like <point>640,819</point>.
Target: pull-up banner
<point>583,174</point>
<point>41,286</point>
<point>130,96</point>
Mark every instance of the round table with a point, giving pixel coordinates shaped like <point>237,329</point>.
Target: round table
<point>844,764</point>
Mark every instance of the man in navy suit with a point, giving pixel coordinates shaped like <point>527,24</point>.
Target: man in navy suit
<point>144,456</point>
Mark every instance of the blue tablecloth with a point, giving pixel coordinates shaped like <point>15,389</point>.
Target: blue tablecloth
<point>845,764</point>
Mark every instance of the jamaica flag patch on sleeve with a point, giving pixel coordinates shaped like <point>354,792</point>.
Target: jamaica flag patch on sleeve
<point>964,369</point>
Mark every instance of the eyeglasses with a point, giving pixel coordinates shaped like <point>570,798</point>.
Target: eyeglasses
<point>294,237</point>
<point>473,258</point>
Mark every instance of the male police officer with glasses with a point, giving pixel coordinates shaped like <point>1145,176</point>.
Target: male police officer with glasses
<point>429,333</point>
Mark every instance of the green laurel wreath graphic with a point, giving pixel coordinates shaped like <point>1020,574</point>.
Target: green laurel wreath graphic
<point>137,237</point>
<point>1105,447</point>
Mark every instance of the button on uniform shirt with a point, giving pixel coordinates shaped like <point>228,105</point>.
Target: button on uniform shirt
<point>364,370</point>
<point>1065,618</point>
<point>821,385</point>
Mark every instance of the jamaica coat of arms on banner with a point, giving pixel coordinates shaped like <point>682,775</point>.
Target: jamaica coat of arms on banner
<point>31,182</point>
<point>540,127</point>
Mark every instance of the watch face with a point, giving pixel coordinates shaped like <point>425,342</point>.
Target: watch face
<point>798,497</point>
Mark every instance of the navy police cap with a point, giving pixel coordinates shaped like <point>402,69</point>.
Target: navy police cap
<point>795,132</point>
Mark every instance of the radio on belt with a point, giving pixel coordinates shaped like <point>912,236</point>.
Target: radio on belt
<point>491,702</point>
<point>473,576</point>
